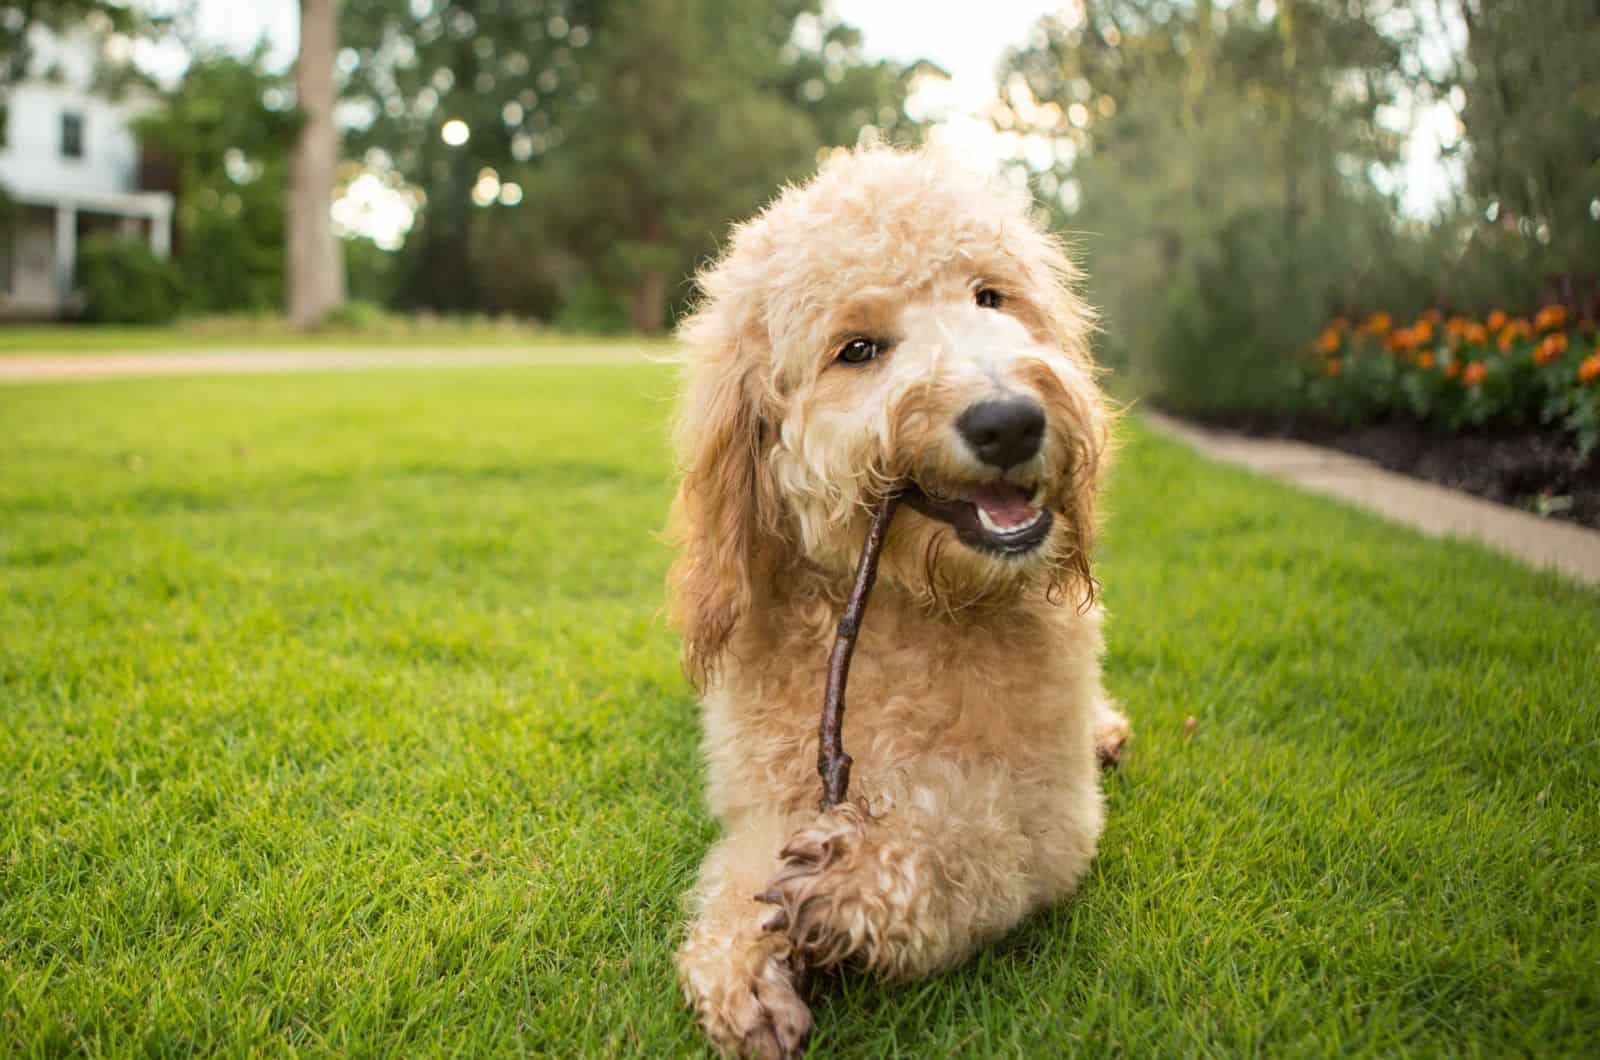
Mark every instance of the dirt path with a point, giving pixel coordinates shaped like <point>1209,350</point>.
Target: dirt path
<point>1438,512</point>
<point>84,367</point>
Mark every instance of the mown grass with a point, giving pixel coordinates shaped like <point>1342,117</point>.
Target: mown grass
<point>339,720</point>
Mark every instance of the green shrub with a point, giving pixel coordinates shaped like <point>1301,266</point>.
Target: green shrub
<point>124,282</point>
<point>361,316</point>
<point>369,271</point>
<point>233,262</point>
<point>592,309</point>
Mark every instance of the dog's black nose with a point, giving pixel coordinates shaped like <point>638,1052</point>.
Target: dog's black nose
<point>1003,433</point>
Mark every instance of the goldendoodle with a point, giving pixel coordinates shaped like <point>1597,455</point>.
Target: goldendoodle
<point>897,324</point>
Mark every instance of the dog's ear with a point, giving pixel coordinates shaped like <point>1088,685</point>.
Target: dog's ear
<point>1078,406</point>
<point>1073,569</point>
<point>724,518</point>
<point>1082,423</point>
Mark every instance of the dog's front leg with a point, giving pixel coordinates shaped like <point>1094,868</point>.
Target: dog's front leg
<point>742,977</point>
<point>945,863</point>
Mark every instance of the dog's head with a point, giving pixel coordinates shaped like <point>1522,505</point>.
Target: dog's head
<point>897,324</point>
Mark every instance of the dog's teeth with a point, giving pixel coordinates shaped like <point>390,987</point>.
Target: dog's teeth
<point>988,523</point>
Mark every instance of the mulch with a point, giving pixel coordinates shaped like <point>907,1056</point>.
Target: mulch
<point>1535,470</point>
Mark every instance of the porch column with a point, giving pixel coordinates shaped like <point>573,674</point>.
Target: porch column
<point>161,232</point>
<point>66,250</point>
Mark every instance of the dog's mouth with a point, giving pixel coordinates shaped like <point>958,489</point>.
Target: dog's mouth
<point>996,517</point>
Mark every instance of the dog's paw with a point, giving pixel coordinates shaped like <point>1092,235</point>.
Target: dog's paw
<point>818,904</point>
<point>748,1001</point>
<point>1111,738</point>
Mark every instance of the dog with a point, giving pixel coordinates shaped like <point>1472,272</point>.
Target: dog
<point>899,324</point>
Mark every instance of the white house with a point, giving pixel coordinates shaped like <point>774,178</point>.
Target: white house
<point>69,162</point>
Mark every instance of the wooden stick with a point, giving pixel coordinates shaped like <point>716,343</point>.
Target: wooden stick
<point>833,765</point>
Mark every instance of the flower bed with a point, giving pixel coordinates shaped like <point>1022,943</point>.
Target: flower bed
<point>1500,373</point>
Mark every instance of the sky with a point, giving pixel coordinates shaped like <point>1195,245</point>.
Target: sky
<point>969,48</point>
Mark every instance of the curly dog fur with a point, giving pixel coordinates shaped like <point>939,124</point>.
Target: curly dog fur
<point>977,718</point>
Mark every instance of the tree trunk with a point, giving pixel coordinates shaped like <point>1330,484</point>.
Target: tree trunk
<point>316,283</point>
<point>649,309</point>
<point>1290,27</point>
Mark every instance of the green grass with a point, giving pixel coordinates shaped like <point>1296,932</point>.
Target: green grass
<point>339,719</point>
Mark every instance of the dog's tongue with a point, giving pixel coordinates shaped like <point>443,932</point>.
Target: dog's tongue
<point>1005,504</point>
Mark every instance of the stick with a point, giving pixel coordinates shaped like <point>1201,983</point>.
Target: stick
<point>833,765</point>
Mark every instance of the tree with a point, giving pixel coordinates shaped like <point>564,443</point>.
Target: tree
<point>316,280</point>
<point>691,145</point>
<point>688,143</point>
<point>225,131</point>
<point>504,72</point>
<point>1222,159</point>
<point>634,130</point>
<point>1532,116</point>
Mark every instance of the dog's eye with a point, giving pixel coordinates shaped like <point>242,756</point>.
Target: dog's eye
<point>989,298</point>
<point>860,351</point>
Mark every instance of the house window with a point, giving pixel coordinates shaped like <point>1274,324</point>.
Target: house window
<point>71,135</point>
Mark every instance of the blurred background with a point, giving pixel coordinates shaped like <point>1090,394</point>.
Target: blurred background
<point>1234,174</point>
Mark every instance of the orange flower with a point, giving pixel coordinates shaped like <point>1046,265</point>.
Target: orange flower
<point>1333,367</point>
<point>1476,334</point>
<point>1423,331</point>
<point>1551,318</point>
<point>1340,324</point>
<point>1551,348</point>
<point>1378,324</point>
<point>1456,327</point>
<point>1328,342</point>
<point>1402,340</point>
<point>1497,320</point>
<point>1589,370</point>
<point>1516,329</point>
<point>1431,317</point>
<point>1425,360</point>
<point>1452,369</point>
<point>1475,374</point>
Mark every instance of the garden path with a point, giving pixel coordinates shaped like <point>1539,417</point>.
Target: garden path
<point>28,368</point>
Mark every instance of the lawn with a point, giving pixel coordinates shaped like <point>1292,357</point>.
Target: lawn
<point>340,719</point>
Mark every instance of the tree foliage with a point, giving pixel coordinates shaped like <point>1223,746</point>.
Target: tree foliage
<point>225,129</point>
<point>506,69</point>
<point>19,19</point>
<point>1532,116</point>
<point>635,130</point>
